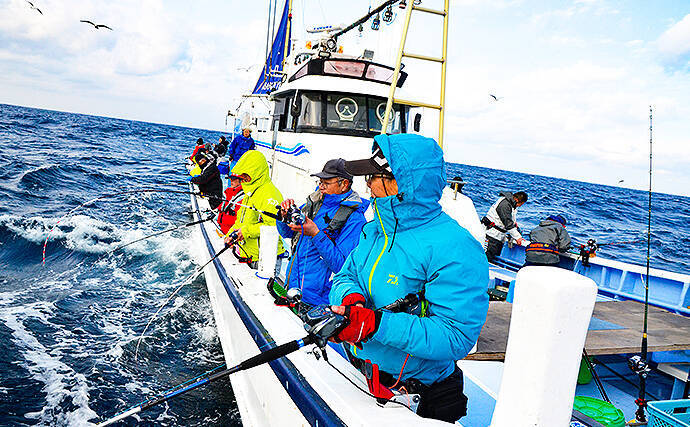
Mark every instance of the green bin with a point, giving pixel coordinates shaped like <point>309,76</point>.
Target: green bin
<point>599,410</point>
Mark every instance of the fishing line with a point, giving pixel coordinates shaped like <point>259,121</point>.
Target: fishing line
<point>189,224</point>
<point>119,193</point>
<point>189,280</point>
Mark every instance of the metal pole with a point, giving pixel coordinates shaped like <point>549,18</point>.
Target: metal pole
<point>396,72</point>
<point>444,56</point>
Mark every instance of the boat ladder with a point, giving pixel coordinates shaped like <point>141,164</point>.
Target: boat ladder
<point>413,6</point>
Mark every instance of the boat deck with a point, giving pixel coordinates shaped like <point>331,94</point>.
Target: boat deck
<point>615,328</point>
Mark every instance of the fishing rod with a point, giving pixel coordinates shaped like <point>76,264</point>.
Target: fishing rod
<point>189,224</point>
<point>638,364</point>
<point>261,358</point>
<point>189,280</point>
<point>321,324</point>
<point>105,196</point>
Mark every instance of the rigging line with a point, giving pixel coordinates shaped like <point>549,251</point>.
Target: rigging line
<point>640,401</point>
<point>268,31</point>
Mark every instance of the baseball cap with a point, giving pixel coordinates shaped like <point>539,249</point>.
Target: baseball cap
<point>333,169</point>
<point>373,165</point>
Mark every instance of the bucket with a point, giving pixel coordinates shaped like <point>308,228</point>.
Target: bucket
<point>223,168</point>
<point>599,410</point>
<point>584,376</point>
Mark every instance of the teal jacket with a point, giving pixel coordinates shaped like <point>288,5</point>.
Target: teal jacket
<point>410,246</point>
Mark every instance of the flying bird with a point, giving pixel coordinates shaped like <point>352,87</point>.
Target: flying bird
<point>496,98</point>
<point>34,7</point>
<point>621,181</point>
<point>96,26</point>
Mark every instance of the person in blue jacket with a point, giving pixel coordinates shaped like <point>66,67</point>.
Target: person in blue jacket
<point>412,246</point>
<point>240,145</point>
<point>334,216</point>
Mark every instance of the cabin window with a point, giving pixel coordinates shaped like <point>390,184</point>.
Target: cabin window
<point>338,113</point>
<point>344,68</point>
<point>344,111</point>
<point>377,109</point>
<point>311,110</point>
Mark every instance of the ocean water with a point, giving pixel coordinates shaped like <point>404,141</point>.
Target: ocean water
<point>69,328</point>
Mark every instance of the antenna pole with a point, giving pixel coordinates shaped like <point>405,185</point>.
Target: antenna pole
<point>640,401</point>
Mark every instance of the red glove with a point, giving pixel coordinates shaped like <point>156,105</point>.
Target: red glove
<point>353,299</point>
<point>363,324</point>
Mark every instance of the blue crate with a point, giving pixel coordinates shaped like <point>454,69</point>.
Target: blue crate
<point>669,413</point>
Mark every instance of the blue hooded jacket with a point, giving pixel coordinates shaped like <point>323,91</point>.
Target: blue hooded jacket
<point>410,246</point>
<point>239,146</point>
<point>317,258</point>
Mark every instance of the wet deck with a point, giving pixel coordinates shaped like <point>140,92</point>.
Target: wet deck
<point>616,328</point>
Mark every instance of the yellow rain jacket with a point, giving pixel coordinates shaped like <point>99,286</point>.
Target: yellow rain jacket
<point>261,194</point>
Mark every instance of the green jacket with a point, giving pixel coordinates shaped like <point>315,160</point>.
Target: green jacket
<point>261,194</point>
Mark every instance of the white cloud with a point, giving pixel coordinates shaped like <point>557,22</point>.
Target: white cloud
<point>674,44</point>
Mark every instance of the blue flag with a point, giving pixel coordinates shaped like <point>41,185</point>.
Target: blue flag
<point>270,80</point>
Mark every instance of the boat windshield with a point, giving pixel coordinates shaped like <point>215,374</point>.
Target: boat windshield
<point>339,113</point>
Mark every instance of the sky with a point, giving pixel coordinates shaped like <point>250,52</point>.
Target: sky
<point>575,79</point>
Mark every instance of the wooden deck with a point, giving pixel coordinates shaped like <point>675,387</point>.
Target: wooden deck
<point>616,328</point>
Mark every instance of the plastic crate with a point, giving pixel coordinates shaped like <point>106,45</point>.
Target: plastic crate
<point>669,413</point>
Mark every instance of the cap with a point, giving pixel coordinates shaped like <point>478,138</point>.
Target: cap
<point>333,169</point>
<point>199,157</point>
<point>558,218</point>
<point>375,164</point>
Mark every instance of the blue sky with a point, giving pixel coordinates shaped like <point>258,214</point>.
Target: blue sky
<point>576,77</point>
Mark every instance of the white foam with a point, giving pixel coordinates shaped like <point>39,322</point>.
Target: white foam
<point>60,381</point>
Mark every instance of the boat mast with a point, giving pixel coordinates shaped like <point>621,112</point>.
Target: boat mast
<point>398,63</point>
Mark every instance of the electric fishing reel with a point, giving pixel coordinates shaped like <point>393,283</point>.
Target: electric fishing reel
<point>322,323</point>
<point>234,237</point>
<point>587,251</point>
<point>293,215</point>
<point>639,366</point>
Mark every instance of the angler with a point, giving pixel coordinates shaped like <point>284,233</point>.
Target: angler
<point>209,181</point>
<point>501,221</point>
<point>412,247</point>
<point>333,220</point>
<point>547,241</point>
<point>261,197</point>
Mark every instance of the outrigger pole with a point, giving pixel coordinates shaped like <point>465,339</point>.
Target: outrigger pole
<point>641,402</point>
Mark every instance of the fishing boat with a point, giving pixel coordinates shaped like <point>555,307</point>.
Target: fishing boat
<point>315,103</point>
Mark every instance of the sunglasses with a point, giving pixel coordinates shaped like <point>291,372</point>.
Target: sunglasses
<point>368,178</point>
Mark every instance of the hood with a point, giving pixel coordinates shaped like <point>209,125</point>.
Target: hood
<point>254,164</point>
<point>419,169</point>
<point>509,196</point>
<point>548,222</point>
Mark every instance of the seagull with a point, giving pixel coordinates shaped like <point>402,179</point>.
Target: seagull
<point>246,69</point>
<point>621,181</point>
<point>496,98</point>
<point>34,7</point>
<point>96,26</point>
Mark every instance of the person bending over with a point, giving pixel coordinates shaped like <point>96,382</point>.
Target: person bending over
<point>547,241</point>
<point>261,194</point>
<point>209,181</point>
<point>334,216</point>
<point>412,246</point>
<point>500,222</point>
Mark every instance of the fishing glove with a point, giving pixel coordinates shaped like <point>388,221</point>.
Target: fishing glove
<point>353,299</point>
<point>364,323</point>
